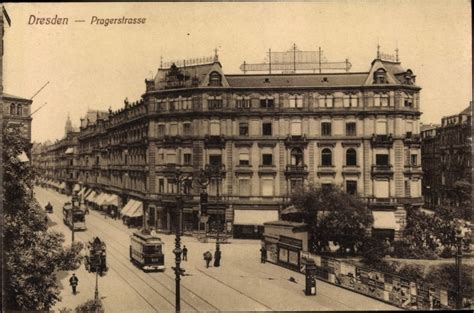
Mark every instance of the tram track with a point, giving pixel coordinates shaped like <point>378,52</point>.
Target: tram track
<point>193,294</point>
<point>188,294</point>
<point>171,292</point>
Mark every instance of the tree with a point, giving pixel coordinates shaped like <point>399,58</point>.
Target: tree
<point>333,215</point>
<point>32,254</point>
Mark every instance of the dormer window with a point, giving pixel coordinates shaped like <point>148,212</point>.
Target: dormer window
<point>380,76</point>
<point>409,77</point>
<point>215,79</point>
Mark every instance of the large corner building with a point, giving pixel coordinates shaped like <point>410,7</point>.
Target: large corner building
<point>265,135</point>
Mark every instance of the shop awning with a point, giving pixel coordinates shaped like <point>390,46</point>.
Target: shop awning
<point>133,208</point>
<point>137,210</point>
<point>100,200</point>
<point>87,193</point>
<point>77,187</point>
<point>112,200</point>
<point>91,196</point>
<point>254,217</point>
<point>69,150</point>
<point>127,207</point>
<point>82,192</point>
<point>385,220</point>
<point>62,185</point>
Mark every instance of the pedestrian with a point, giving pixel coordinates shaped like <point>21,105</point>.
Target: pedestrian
<point>73,281</point>
<point>207,258</point>
<point>217,257</point>
<point>263,254</point>
<point>185,253</point>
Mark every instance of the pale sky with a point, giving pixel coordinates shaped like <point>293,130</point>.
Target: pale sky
<point>97,67</point>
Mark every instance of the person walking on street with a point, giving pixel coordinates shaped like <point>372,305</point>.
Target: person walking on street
<point>73,281</point>
<point>263,254</point>
<point>217,257</point>
<point>208,258</point>
<point>185,253</point>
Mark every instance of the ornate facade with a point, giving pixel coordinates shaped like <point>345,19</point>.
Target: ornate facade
<point>267,135</point>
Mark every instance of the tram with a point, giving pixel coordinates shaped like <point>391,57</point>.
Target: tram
<point>96,256</point>
<point>74,217</point>
<point>146,251</point>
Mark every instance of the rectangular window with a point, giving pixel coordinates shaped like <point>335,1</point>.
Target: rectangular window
<point>161,185</point>
<point>215,159</point>
<point>292,102</point>
<point>347,101</point>
<point>243,103</point>
<point>161,130</point>
<point>376,100</point>
<point>351,129</point>
<point>215,103</point>
<point>267,129</point>
<point>326,129</point>
<point>409,102</point>
<point>244,187</point>
<point>244,158</point>
<point>267,187</point>
<point>267,103</point>
<point>407,188</point>
<point>296,101</point>
<point>187,159</point>
<point>384,100</point>
<point>172,105</point>
<point>381,160</point>
<point>267,159</point>
<point>351,187</point>
<point>381,188</point>
<point>243,129</point>
<point>414,160</point>
<point>187,128</point>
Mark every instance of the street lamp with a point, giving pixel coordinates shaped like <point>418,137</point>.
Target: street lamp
<point>179,178</point>
<point>459,238</point>
<point>97,267</point>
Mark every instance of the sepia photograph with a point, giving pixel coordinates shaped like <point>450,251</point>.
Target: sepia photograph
<point>236,156</point>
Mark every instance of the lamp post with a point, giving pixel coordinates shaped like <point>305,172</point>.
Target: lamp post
<point>74,204</point>
<point>459,238</point>
<point>97,267</point>
<point>178,177</point>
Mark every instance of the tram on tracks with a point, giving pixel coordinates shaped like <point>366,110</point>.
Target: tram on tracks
<point>74,217</point>
<point>146,251</point>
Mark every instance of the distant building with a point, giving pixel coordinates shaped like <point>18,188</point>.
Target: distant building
<point>17,111</point>
<point>446,157</point>
<point>264,135</point>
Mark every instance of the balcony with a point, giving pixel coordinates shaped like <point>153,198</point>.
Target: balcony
<point>296,141</point>
<point>172,141</point>
<point>326,170</point>
<point>382,170</point>
<point>243,169</point>
<point>413,170</point>
<point>217,142</point>
<point>296,170</point>
<point>382,141</point>
<point>412,139</point>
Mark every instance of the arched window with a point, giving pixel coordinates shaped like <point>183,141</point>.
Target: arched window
<point>12,109</point>
<point>297,157</point>
<point>326,157</point>
<point>351,157</point>
<point>215,79</point>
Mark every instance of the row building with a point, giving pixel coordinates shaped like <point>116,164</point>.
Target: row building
<point>446,158</point>
<point>258,137</point>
